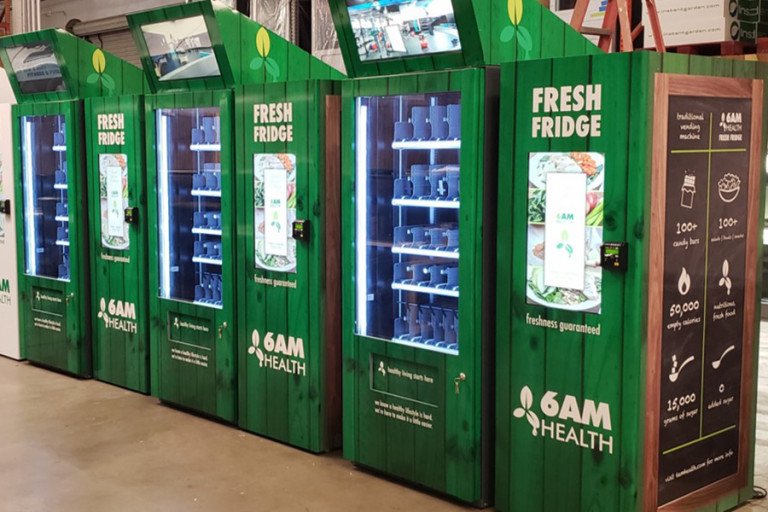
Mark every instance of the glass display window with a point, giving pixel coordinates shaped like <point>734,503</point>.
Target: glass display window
<point>46,205</point>
<point>408,200</point>
<point>189,204</point>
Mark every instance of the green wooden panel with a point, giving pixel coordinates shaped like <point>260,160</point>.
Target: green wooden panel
<point>286,405</point>
<point>119,276</point>
<point>208,388</point>
<point>61,338</point>
<point>454,444</point>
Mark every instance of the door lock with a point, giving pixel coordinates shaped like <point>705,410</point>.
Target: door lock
<point>222,327</point>
<point>69,298</point>
<point>458,380</point>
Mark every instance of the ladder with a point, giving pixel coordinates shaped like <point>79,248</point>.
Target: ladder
<point>5,17</point>
<point>618,9</point>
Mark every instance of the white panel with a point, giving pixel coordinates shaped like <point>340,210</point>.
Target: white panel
<point>6,92</point>
<point>9,292</point>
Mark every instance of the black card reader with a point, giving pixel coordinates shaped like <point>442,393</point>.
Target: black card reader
<point>301,230</point>
<point>131,215</point>
<point>613,256</point>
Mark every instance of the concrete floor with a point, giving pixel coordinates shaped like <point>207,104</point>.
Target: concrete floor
<point>85,446</point>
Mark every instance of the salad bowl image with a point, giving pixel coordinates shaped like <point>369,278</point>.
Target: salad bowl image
<point>728,187</point>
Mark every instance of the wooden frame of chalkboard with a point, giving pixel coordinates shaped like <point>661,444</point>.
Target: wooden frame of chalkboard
<point>667,87</point>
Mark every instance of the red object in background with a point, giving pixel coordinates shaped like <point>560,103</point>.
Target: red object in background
<point>5,17</point>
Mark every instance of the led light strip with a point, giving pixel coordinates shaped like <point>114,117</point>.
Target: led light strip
<point>361,239</point>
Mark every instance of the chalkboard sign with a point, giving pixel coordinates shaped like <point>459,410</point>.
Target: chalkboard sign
<point>706,228</point>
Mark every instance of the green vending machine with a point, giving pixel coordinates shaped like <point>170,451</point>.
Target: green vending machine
<point>52,72</point>
<point>628,282</point>
<point>200,59</point>
<point>419,150</point>
<point>117,193</point>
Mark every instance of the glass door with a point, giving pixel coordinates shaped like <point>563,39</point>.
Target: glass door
<point>189,205</point>
<point>46,207</point>
<point>408,200</point>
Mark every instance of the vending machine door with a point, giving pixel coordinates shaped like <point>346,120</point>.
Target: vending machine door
<point>288,257</point>
<point>53,223</point>
<point>117,198</point>
<point>193,303</point>
<point>416,394</point>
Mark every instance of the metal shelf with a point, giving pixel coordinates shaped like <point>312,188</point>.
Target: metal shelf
<point>206,193</point>
<point>427,203</point>
<point>205,147</point>
<point>425,289</point>
<point>427,144</point>
<point>206,231</point>
<point>431,253</point>
<point>209,261</point>
<point>208,304</point>
<point>424,346</point>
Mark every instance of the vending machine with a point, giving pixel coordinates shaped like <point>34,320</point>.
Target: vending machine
<point>419,150</point>
<point>628,282</point>
<point>10,345</point>
<point>117,198</point>
<point>52,72</point>
<point>198,58</point>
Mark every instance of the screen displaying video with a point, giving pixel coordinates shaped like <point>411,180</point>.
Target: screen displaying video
<point>36,68</point>
<point>181,49</point>
<point>392,29</point>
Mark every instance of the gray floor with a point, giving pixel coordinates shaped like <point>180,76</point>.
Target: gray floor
<point>83,446</point>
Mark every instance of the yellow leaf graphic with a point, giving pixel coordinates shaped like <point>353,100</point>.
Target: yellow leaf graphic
<point>262,42</point>
<point>99,61</point>
<point>515,10</point>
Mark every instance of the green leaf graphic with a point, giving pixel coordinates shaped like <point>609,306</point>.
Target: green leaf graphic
<point>92,78</point>
<point>507,34</point>
<point>272,68</point>
<point>108,82</point>
<point>524,38</point>
<point>256,63</point>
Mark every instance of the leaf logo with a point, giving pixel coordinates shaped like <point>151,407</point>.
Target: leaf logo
<point>103,311</point>
<point>526,401</point>
<point>99,61</point>
<point>262,42</point>
<point>726,280</point>
<point>515,11</point>
<point>254,348</point>
<point>263,46</point>
<point>516,31</point>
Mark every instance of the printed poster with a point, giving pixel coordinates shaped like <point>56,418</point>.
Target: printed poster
<point>565,230</point>
<point>113,192</point>
<point>274,211</point>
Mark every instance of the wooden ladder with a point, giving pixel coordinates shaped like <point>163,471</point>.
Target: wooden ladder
<point>618,9</point>
<point>5,17</point>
